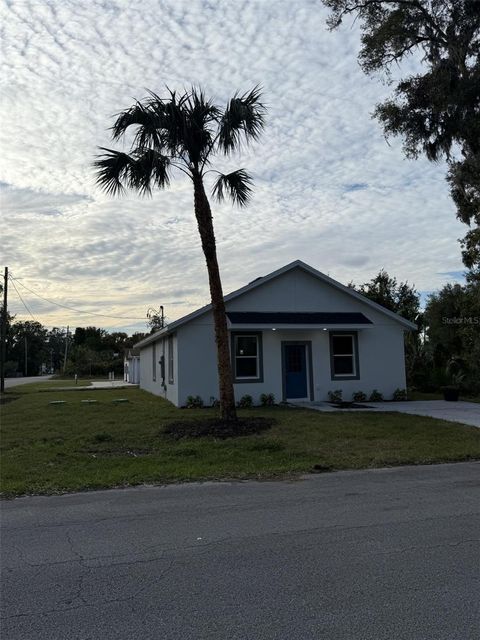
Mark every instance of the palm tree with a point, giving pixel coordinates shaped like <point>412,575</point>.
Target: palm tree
<point>184,132</point>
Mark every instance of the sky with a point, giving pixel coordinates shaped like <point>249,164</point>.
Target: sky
<point>329,189</point>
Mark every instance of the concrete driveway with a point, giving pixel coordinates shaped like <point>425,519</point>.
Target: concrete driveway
<point>14,382</point>
<point>362,555</point>
<point>463,412</point>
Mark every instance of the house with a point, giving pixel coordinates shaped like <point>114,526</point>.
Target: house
<point>296,333</point>
<point>131,366</point>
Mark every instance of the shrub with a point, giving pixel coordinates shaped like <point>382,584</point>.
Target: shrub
<point>359,396</point>
<point>399,394</point>
<point>376,396</point>
<point>194,402</point>
<point>335,396</point>
<point>267,399</point>
<point>245,401</point>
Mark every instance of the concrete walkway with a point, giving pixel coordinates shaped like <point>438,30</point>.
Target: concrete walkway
<point>105,384</point>
<point>462,412</point>
<point>112,384</point>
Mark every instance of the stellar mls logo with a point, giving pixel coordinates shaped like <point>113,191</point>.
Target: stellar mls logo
<point>462,320</point>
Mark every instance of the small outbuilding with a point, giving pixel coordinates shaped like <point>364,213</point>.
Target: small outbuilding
<point>131,366</point>
<point>295,333</point>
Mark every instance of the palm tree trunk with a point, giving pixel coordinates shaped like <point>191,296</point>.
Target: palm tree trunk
<point>203,215</point>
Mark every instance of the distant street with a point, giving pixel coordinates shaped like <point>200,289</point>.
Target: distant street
<point>14,382</point>
<point>365,555</point>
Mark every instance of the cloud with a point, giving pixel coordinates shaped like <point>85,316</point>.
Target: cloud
<point>329,190</point>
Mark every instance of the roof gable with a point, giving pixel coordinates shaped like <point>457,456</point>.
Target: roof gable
<point>260,282</point>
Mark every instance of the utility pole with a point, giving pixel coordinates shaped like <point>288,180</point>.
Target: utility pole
<point>66,352</point>
<point>3,350</point>
<point>26,355</point>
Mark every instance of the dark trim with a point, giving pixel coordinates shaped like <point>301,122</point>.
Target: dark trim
<point>154,362</point>
<point>171,359</point>
<point>259,335</point>
<point>304,317</point>
<point>308,359</point>
<point>355,354</point>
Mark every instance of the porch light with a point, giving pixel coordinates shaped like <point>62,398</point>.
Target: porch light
<point>325,329</point>
<point>273,329</point>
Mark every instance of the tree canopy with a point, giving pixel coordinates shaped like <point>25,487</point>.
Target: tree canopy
<point>437,110</point>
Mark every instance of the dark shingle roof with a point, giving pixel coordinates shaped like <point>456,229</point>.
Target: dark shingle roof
<point>240,317</point>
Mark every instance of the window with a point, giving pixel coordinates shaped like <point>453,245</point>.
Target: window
<point>154,361</point>
<point>170,360</point>
<point>344,355</point>
<point>246,349</point>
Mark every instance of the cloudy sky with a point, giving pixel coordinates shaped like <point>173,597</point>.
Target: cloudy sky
<point>329,189</point>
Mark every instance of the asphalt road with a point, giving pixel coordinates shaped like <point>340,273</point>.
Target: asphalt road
<point>14,382</point>
<point>386,554</point>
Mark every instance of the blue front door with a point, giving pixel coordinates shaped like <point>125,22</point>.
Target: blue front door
<point>295,371</point>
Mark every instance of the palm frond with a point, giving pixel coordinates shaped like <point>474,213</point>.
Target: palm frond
<point>112,169</point>
<point>201,121</point>
<point>235,185</point>
<point>149,169</point>
<point>244,118</point>
<point>140,171</point>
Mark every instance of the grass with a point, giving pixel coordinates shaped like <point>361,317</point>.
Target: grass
<point>53,448</point>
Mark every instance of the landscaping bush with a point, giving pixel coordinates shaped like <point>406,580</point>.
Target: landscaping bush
<point>245,402</point>
<point>267,399</point>
<point>376,396</point>
<point>359,396</point>
<point>399,394</point>
<point>194,402</point>
<point>335,396</point>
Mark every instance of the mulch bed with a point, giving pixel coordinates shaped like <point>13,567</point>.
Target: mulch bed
<point>215,427</point>
<point>349,405</point>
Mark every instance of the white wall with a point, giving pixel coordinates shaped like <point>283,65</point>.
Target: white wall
<point>146,370</point>
<point>381,363</point>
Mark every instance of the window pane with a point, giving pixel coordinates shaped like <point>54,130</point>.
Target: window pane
<point>343,365</point>
<point>246,367</point>
<point>246,346</point>
<point>294,359</point>
<point>342,344</point>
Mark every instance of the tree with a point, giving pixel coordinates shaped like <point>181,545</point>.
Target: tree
<point>184,132</point>
<point>403,299</point>
<point>27,346</point>
<point>56,348</point>
<point>452,319</point>
<point>400,298</point>
<point>437,112</point>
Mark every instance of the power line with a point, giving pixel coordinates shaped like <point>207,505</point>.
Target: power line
<point>23,301</point>
<point>81,311</point>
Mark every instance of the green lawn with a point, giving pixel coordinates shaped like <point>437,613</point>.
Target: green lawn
<point>48,448</point>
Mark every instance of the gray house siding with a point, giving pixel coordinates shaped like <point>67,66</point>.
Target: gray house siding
<point>147,360</point>
<point>380,345</point>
